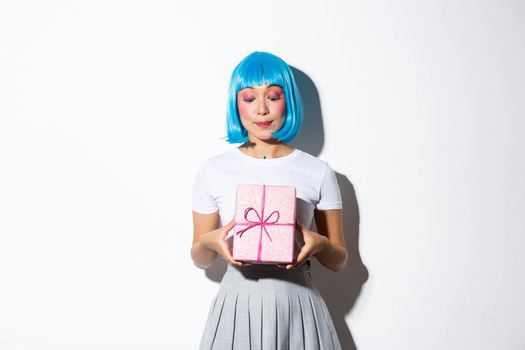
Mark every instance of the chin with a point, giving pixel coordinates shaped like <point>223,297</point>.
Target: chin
<point>264,137</point>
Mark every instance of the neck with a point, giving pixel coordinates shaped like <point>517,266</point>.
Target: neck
<point>266,149</point>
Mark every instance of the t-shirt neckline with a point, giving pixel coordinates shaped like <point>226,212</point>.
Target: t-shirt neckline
<point>266,162</point>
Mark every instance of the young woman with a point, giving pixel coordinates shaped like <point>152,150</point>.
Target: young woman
<point>267,306</point>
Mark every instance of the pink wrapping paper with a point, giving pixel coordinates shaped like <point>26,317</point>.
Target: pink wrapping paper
<point>264,224</point>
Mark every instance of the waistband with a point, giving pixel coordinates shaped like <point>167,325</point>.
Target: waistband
<point>270,268</point>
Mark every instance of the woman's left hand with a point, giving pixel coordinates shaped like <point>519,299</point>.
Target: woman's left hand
<point>313,242</point>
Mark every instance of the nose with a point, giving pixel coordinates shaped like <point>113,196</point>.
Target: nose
<point>262,109</point>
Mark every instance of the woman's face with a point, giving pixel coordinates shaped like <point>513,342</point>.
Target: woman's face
<point>261,109</point>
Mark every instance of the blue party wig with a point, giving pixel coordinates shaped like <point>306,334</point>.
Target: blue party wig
<point>262,68</point>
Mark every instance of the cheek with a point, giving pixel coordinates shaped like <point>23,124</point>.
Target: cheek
<point>280,107</point>
<point>243,110</point>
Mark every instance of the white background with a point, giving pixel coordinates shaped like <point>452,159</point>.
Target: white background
<point>108,107</point>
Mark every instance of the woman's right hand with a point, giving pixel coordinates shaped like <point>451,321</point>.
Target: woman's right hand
<point>216,241</point>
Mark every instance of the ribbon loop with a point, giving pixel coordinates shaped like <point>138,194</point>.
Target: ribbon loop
<point>247,212</point>
<point>259,221</point>
<point>267,220</point>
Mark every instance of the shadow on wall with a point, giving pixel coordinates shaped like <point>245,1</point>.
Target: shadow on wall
<point>311,137</point>
<point>339,290</point>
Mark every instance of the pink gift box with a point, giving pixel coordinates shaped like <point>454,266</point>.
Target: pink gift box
<point>264,224</point>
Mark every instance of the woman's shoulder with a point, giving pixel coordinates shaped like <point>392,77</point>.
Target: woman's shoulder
<point>222,155</point>
<point>311,161</point>
<point>224,158</point>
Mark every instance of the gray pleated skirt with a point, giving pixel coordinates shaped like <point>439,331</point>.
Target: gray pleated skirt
<point>265,307</point>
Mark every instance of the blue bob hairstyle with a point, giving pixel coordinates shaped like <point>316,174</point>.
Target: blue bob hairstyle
<point>262,68</point>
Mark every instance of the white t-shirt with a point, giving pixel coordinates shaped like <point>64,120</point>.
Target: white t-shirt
<point>217,178</point>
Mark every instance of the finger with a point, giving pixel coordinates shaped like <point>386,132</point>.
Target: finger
<point>227,228</point>
<point>292,264</point>
<point>231,223</point>
<point>299,227</point>
<point>228,255</point>
<point>233,262</point>
<point>227,252</point>
<point>297,264</point>
<point>303,255</point>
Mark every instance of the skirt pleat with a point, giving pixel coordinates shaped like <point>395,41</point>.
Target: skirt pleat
<point>255,311</point>
<point>321,323</point>
<point>283,321</point>
<point>264,307</point>
<point>269,321</point>
<point>330,323</point>
<point>297,336</point>
<point>213,321</point>
<point>311,333</point>
<point>241,336</point>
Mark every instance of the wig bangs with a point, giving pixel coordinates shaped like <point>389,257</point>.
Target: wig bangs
<point>256,73</point>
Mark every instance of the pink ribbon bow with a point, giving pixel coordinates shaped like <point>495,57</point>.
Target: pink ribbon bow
<point>261,221</point>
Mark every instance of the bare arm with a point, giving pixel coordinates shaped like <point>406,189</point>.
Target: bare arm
<point>328,246</point>
<point>333,254</point>
<point>209,240</point>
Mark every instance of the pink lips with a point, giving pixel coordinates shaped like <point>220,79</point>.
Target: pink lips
<point>264,125</point>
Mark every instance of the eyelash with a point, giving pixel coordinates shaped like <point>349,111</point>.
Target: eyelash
<point>271,98</point>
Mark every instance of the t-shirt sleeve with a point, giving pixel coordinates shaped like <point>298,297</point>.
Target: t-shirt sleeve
<point>203,200</point>
<point>330,194</point>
